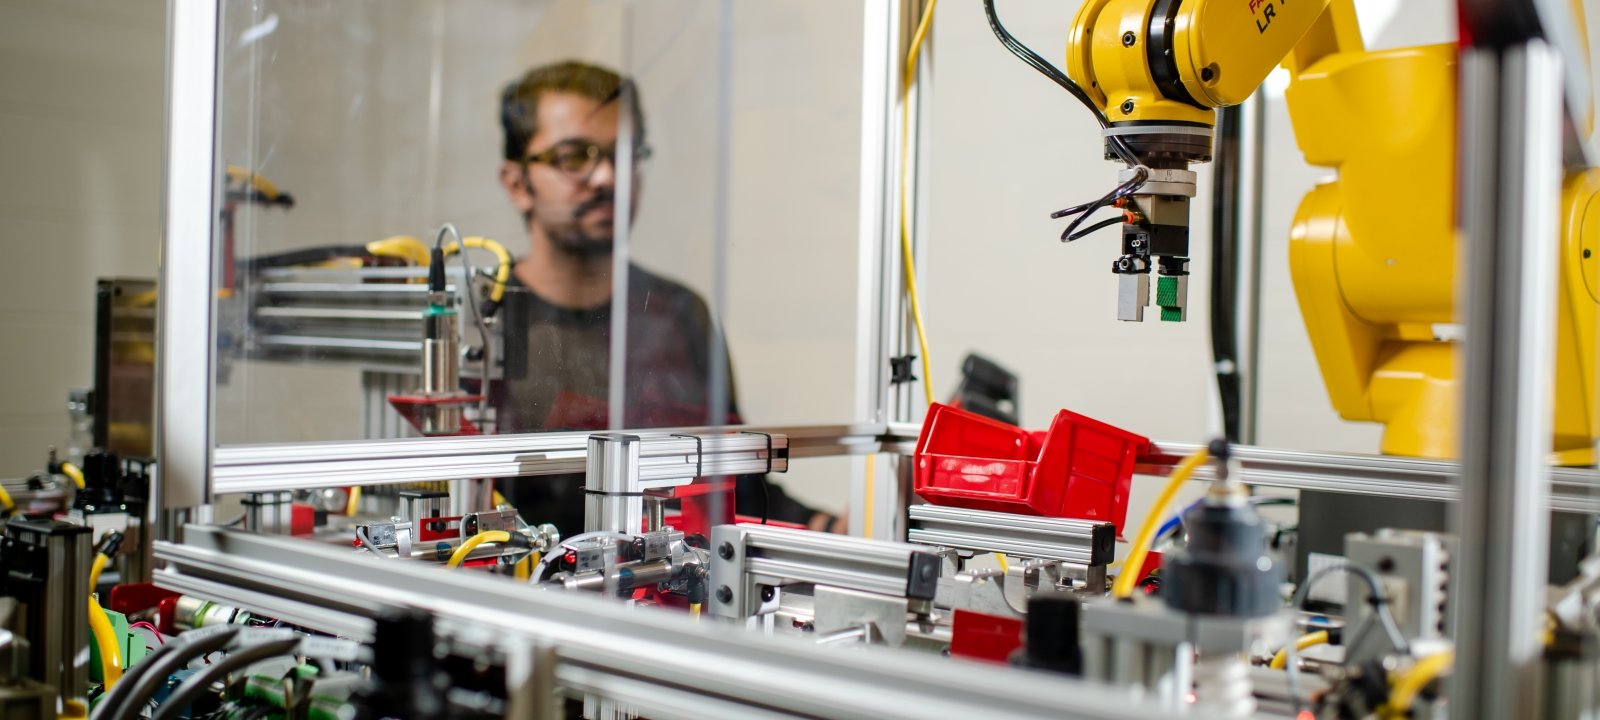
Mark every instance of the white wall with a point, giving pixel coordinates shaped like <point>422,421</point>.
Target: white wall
<point>80,139</point>
<point>1009,148</point>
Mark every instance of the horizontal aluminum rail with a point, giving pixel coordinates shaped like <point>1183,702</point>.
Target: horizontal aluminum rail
<point>747,555</point>
<point>1082,542</point>
<point>259,468</point>
<point>664,664</point>
<point>264,468</point>
<point>1571,489</point>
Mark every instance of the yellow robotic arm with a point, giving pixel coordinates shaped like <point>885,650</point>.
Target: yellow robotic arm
<point>1373,252</point>
<point>1156,70</point>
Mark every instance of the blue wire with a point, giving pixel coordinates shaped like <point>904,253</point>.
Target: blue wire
<point>1172,525</point>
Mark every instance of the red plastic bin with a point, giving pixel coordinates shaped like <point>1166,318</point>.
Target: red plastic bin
<point>1079,468</point>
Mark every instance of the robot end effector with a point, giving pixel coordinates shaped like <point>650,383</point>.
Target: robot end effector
<point>1153,72</point>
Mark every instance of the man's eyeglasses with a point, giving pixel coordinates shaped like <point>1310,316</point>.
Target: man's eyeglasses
<point>578,159</point>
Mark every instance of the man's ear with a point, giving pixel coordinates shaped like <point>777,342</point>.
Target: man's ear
<point>517,186</point>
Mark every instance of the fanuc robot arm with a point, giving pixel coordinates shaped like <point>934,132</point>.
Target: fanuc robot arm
<point>1373,252</point>
<point>1157,70</point>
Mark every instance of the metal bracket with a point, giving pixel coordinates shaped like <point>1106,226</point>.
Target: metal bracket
<point>744,557</point>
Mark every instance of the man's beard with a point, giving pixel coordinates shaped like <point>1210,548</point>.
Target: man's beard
<point>573,239</point>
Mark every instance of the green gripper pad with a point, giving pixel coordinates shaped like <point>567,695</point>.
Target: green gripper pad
<point>1166,293</point>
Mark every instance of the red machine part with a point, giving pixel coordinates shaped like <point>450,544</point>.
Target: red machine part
<point>302,519</point>
<point>1079,468</point>
<point>695,516</point>
<point>978,636</point>
<point>131,598</point>
<point>410,407</point>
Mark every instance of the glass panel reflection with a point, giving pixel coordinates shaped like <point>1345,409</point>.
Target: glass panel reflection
<point>352,132</point>
<point>423,226</point>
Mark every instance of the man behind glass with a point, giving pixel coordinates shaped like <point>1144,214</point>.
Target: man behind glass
<point>561,124</point>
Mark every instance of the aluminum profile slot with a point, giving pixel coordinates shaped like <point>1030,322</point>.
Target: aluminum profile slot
<point>1082,542</point>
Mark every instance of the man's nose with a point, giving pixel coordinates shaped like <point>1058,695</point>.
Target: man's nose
<point>605,172</point>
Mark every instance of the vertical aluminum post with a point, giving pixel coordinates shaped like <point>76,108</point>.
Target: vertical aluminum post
<point>1509,190</point>
<point>613,500</point>
<point>878,304</point>
<point>186,325</point>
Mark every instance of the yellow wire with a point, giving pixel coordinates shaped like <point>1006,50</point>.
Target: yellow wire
<point>502,274</point>
<point>6,503</point>
<point>72,471</point>
<point>404,247</point>
<point>694,610</point>
<point>1403,689</point>
<point>524,567</point>
<point>105,638</point>
<point>99,565</point>
<point>260,184</point>
<point>1281,660</point>
<point>1129,574</point>
<point>353,502</point>
<point>73,710</point>
<point>1005,567</point>
<point>497,536</point>
<point>905,222</point>
<point>872,473</point>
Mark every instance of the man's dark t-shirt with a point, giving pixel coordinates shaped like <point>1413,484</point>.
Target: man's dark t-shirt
<point>557,369</point>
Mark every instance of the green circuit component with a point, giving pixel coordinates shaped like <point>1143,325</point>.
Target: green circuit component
<point>130,642</point>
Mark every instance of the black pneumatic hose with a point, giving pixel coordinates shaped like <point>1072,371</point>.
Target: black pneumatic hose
<point>200,683</point>
<point>127,699</point>
<point>1225,250</point>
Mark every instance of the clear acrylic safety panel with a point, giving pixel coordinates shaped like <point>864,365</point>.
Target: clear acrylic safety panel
<point>728,134</point>
<point>347,126</point>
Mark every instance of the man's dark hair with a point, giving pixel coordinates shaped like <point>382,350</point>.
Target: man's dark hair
<point>519,102</point>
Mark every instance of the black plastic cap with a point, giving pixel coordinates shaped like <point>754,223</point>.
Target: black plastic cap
<point>1220,449</point>
<point>436,270</point>
<point>1103,544</point>
<point>922,576</point>
<point>1052,639</point>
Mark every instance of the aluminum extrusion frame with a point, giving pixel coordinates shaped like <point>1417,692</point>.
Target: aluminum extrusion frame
<point>746,555</point>
<point>1081,542</point>
<point>661,663</point>
<point>186,320</point>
